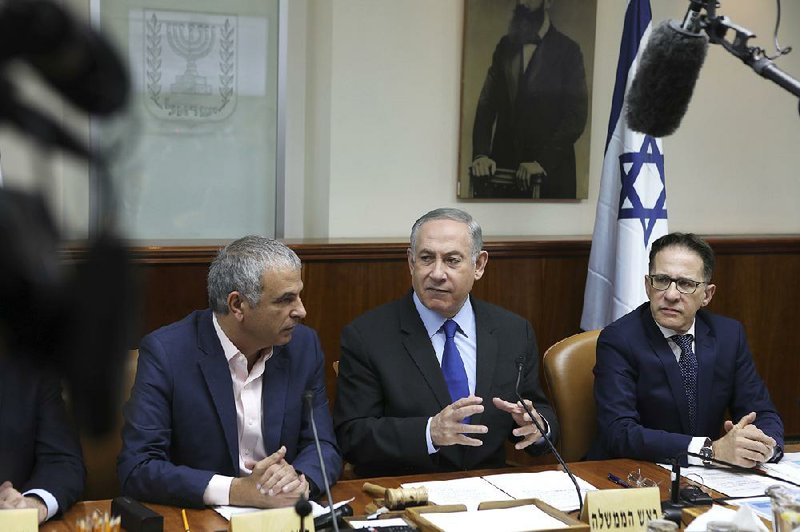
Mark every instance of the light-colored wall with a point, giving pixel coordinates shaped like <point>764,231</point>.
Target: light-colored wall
<point>372,128</point>
<point>382,137</point>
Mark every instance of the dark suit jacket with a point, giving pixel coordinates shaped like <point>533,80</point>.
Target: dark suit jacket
<point>538,117</point>
<point>390,383</point>
<point>38,446</point>
<point>642,411</point>
<point>180,422</point>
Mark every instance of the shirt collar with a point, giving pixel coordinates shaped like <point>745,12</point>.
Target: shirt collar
<point>433,321</point>
<point>228,348</point>
<point>669,332</point>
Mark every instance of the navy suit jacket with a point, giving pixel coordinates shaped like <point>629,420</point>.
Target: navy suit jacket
<point>38,446</point>
<point>180,422</point>
<point>642,411</point>
<point>390,383</point>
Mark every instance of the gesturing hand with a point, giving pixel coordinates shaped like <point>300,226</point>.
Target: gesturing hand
<point>447,427</point>
<point>525,428</point>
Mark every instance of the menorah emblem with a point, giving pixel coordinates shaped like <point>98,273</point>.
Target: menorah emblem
<point>195,43</point>
<point>192,41</point>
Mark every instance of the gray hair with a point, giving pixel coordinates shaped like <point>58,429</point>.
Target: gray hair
<point>456,215</point>
<point>239,267</point>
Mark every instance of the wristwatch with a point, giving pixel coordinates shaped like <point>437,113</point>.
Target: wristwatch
<point>707,452</point>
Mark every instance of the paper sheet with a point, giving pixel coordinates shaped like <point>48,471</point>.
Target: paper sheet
<point>515,519</point>
<point>316,509</point>
<point>470,491</point>
<point>553,487</point>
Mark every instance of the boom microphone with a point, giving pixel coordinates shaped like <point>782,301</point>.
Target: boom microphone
<point>668,69</point>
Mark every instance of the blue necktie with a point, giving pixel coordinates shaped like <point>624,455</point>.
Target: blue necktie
<point>688,365</point>
<point>452,366</point>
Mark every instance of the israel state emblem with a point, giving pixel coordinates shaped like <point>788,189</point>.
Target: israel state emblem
<point>189,65</point>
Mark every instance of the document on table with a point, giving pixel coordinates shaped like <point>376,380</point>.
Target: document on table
<point>788,467</point>
<point>470,491</point>
<point>553,487</point>
<point>316,509</point>
<point>730,482</point>
<point>514,519</point>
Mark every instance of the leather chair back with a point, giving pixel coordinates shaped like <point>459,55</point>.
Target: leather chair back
<point>568,370</point>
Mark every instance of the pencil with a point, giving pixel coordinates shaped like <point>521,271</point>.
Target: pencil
<point>185,521</point>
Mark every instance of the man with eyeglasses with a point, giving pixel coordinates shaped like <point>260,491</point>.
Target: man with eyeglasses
<point>669,373</point>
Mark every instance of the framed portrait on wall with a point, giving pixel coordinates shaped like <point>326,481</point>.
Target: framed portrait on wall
<point>526,90</point>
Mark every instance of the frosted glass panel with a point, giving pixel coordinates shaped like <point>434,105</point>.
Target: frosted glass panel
<point>204,75</point>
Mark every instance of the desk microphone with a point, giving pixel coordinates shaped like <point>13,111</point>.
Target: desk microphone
<point>754,471</point>
<point>520,368</point>
<point>675,504</point>
<point>302,507</point>
<point>309,397</point>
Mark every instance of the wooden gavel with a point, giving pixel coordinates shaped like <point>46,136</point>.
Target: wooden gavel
<point>397,498</point>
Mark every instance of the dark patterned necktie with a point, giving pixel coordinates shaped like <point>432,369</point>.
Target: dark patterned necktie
<point>452,365</point>
<point>688,365</point>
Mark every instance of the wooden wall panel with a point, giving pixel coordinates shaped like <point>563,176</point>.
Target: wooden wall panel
<point>541,279</point>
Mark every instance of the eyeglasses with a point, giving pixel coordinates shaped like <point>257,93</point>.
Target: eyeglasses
<point>684,286</point>
<point>637,480</point>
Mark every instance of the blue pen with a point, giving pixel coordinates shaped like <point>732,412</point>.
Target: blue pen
<point>616,480</point>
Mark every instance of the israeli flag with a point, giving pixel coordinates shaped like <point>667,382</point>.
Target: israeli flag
<point>632,205</point>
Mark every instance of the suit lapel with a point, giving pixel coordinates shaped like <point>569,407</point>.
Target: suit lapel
<point>705,344</point>
<point>486,353</point>
<point>275,383</point>
<point>512,66</point>
<point>216,372</point>
<point>662,350</point>
<point>418,345</point>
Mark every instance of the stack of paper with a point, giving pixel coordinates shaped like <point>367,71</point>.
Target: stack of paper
<point>553,487</point>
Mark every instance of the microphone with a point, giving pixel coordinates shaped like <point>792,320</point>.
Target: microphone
<point>308,395</point>
<point>742,469</point>
<point>668,70</point>
<point>302,507</point>
<point>75,59</point>
<point>520,368</point>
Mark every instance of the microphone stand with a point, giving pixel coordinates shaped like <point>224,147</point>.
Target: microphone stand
<point>742,469</point>
<point>753,56</point>
<point>520,367</point>
<point>309,397</point>
<point>674,506</point>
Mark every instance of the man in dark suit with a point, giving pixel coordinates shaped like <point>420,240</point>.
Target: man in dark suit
<point>41,464</point>
<point>667,372</point>
<point>531,110</point>
<point>217,413</point>
<point>427,382</point>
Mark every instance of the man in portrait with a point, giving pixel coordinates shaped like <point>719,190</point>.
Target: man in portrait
<point>531,111</point>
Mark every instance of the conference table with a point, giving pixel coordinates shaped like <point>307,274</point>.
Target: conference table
<point>207,520</point>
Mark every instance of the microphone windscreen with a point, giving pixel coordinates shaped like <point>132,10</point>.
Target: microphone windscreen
<point>668,70</point>
<point>79,62</point>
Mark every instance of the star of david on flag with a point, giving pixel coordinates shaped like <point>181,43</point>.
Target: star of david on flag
<point>632,203</point>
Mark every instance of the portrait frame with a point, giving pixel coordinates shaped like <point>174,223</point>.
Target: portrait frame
<point>486,22</point>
